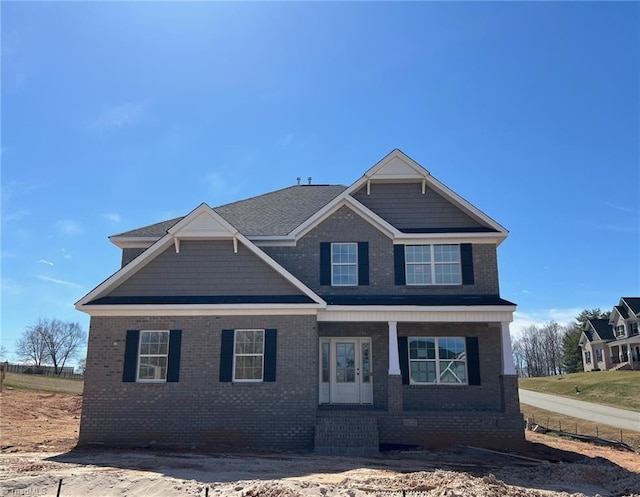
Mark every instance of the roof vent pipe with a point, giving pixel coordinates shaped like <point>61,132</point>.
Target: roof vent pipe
<point>309,179</point>
<point>298,178</point>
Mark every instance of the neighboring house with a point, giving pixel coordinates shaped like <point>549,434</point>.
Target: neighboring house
<point>316,316</point>
<point>613,343</point>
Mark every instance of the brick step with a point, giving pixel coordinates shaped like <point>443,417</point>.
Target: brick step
<point>346,435</point>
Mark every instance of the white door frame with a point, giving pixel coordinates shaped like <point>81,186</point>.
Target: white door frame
<point>356,386</point>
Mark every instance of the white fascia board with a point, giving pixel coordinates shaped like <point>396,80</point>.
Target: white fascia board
<point>273,241</point>
<point>126,271</point>
<point>124,242</point>
<point>466,314</point>
<point>449,238</point>
<point>202,310</point>
<point>465,205</point>
<point>345,201</point>
<point>280,270</point>
<point>419,172</point>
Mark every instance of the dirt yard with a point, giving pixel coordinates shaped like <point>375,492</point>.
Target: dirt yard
<point>39,431</point>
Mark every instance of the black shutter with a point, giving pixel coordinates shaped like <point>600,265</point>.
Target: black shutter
<point>473,361</point>
<point>173,362</point>
<point>403,352</point>
<point>129,371</point>
<point>325,263</point>
<point>363,263</point>
<point>270,349</point>
<point>398,265</point>
<point>466,260</point>
<point>226,356</point>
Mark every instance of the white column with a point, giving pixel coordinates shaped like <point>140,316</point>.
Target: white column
<point>507,353</point>
<point>394,358</point>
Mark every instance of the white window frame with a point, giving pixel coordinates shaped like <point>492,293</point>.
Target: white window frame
<point>620,333</point>
<point>431,265</point>
<point>587,357</point>
<point>437,361</point>
<point>236,355</point>
<point>141,355</point>
<point>334,264</point>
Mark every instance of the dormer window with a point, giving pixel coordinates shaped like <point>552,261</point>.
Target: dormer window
<point>619,331</point>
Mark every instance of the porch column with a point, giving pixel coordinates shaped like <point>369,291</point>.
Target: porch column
<point>508,367</point>
<point>394,357</point>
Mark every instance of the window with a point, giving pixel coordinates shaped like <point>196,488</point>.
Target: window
<point>587,357</point>
<point>344,264</point>
<point>248,358</point>
<point>153,355</point>
<point>599,357</point>
<point>619,331</point>
<point>634,328</point>
<point>433,265</point>
<point>437,360</point>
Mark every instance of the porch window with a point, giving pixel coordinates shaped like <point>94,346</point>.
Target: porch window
<point>344,264</point>
<point>248,358</point>
<point>433,265</point>
<point>437,360</point>
<point>587,357</point>
<point>153,355</point>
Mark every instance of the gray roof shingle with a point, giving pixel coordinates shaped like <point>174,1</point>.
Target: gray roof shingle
<point>271,214</point>
<point>633,303</point>
<point>602,328</point>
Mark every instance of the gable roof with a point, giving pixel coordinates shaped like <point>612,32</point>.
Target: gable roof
<point>271,214</point>
<point>287,213</point>
<point>202,222</point>
<point>633,303</point>
<point>399,167</point>
<point>598,329</point>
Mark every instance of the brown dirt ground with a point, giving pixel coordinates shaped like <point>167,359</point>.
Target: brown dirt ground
<point>38,432</point>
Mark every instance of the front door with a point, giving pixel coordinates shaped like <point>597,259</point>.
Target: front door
<point>350,380</point>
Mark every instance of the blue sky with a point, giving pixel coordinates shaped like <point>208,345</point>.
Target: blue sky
<point>117,115</point>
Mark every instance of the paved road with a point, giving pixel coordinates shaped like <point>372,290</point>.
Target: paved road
<point>627,420</point>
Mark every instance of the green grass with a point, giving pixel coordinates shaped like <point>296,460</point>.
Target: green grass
<point>613,388</point>
<point>556,421</point>
<point>21,381</point>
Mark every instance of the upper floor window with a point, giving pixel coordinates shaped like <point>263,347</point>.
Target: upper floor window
<point>344,264</point>
<point>437,360</point>
<point>433,265</point>
<point>153,355</point>
<point>619,331</point>
<point>634,328</point>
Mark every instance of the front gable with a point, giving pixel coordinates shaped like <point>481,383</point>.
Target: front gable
<point>201,260</point>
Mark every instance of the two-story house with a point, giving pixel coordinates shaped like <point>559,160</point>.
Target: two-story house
<point>613,343</point>
<point>316,316</point>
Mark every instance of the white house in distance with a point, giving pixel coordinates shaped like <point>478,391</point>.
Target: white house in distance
<point>614,343</point>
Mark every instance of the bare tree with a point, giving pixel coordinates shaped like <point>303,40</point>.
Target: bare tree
<point>30,346</point>
<point>51,340</point>
<point>62,341</point>
<point>3,352</point>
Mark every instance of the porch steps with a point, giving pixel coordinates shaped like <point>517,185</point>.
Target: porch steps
<point>623,366</point>
<point>346,434</point>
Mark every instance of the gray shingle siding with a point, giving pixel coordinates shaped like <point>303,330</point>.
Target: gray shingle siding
<point>206,268</point>
<point>345,225</point>
<point>404,206</point>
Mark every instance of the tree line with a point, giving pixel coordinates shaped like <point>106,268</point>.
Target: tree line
<point>552,349</point>
<point>50,342</point>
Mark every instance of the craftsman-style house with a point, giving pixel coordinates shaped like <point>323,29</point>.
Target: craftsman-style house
<point>614,343</point>
<point>314,317</point>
